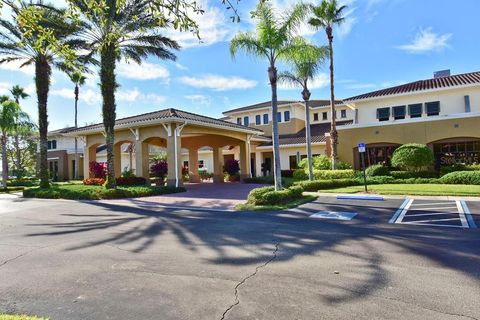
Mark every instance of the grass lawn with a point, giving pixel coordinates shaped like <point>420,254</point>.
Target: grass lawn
<point>414,189</point>
<point>293,204</point>
<point>19,317</point>
<point>83,192</point>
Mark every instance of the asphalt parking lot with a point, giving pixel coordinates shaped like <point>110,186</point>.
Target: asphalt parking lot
<point>92,260</point>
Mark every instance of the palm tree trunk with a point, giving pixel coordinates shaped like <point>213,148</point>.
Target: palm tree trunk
<point>108,86</point>
<point>333,129</point>
<point>4,161</point>
<point>43,72</point>
<point>75,172</point>
<point>18,156</point>
<point>308,140</point>
<point>277,171</point>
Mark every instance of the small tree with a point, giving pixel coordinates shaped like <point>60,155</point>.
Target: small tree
<point>412,157</point>
<point>232,168</point>
<point>159,169</point>
<point>98,170</point>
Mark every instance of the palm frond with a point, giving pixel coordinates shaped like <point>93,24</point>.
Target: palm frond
<point>248,43</point>
<point>289,78</point>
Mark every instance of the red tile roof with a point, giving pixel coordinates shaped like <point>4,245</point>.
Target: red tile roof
<point>422,85</point>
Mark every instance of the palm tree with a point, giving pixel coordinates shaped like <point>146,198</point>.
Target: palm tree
<point>305,67</point>
<point>273,40</point>
<point>18,93</point>
<point>123,29</point>
<point>9,112</point>
<point>32,48</point>
<point>325,16</point>
<point>78,79</point>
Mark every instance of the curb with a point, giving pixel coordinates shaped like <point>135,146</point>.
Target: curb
<point>399,197</point>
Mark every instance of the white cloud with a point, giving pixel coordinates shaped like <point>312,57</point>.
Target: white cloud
<point>5,88</point>
<point>346,27</point>
<point>218,83</point>
<point>361,86</point>
<point>89,96</point>
<point>427,41</point>
<point>321,81</point>
<point>180,66</point>
<point>199,99</point>
<point>15,66</point>
<point>93,97</point>
<point>144,71</point>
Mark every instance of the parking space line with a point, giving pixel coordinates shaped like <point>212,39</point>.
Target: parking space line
<point>449,219</point>
<point>433,224</point>
<point>468,214</point>
<point>427,214</point>
<point>430,203</point>
<point>398,216</point>
<point>433,208</point>
<point>461,213</point>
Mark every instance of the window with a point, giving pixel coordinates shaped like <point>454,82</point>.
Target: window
<point>239,121</point>
<point>279,116</point>
<point>324,115</point>
<point>315,117</point>
<point>343,113</point>
<point>201,164</point>
<point>286,116</point>
<point>246,121</point>
<point>265,118</point>
<point>293,162</point>
<point>399,112</point>
<point>415,110</point>
<point>383,114</point>
<point>258,120</point>
<point>432,108</point>
<point>52,144</point>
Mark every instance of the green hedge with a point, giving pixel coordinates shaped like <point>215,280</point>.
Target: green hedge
<point>333,174</point>
<point>461,177</point>
<point>315,185</point>
<point>268,196</point>
<point>81,192</point>
<point>413,174</point>
<point>377,170</point>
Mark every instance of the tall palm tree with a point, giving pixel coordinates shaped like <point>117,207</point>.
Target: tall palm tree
<point>306,64</point>
<point>18,93</point>
<point>121,29</point>
<point>78,80</point>
<point>325,16</point>
<point>32,48</point>
<point>9,112</point>
<point>274,40</point>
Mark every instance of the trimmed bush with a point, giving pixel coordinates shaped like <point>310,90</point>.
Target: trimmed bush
<point>315,185</point>
<point>333,174</point>
<point>300,174</point>
<point>94,181</point>
<point>205,175</point>
<point>461,177</point>
<point>131,181</point>
<point>377,170</point>
<point>413,174</point>
<point>323,162</point>
<point>412,157</point>
<point>268,196</point>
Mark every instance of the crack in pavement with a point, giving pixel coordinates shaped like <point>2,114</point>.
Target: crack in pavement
<point>237,300</point>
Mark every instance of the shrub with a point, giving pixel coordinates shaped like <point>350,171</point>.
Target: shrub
<point>412,157</point>
<point>159,169</point>
<point>316,185</point>
<point>300,174</point>
<point>323,162</point>
<point>333,174</point>
<point>268,195</point>
<point>413,174</point>
<point>98,169</point>
<point>94,181</point>
<point>257,193</point>
<point>232,167</point>
<point>377,170</point>
<point>128,173</point>
<point>473,167</point>
<point>461,177</point>
<point>205,175</point>
<point>288,173</point>
<point>131,181</point>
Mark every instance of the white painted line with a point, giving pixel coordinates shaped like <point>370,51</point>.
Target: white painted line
<point>427,214</point>
<point>404,211</point>
<point>468,215</point>
<point>432,225</point>
<point>399,210</point>
<point>461,213</point>
<point>430,203</point>
<point>433,208</point>
<point>435,220</point>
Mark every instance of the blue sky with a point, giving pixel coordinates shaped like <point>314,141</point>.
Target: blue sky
<point>382,43</point>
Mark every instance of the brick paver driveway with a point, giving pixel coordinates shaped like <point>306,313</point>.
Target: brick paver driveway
<point>206,195</point>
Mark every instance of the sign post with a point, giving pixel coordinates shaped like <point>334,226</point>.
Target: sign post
<point>361,150</point>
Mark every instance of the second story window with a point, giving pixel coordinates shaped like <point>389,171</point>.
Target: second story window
<point>343,113</point>
<point>246,121</point>
<point>415,110</point>
<point>315,117</point>
<point>324,116</point>
<point>383,114</point>
<point>432,108</point>
<point>398,112</point>
<point>286,116</point>
<point>52,144</point>
<point>279,116</point>
<point>239,121</point>
<point>265,118</point>
<point>258,120</point>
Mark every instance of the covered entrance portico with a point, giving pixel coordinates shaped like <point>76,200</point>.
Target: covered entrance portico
<point>172,130</point>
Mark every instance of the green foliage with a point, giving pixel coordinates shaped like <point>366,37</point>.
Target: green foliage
<point>81,192</point>
<point>412,157</point>
<point>377,170</point>
<point>315,185</point>
<point>333,174</point>
<point>300,174</point>
<point>268,195</point>
<point>128,174</point>
<point>205,175</point>
<point>413,174</point>
<point>461,177</point>
<point>323,162</point>
<point>458,167</point>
